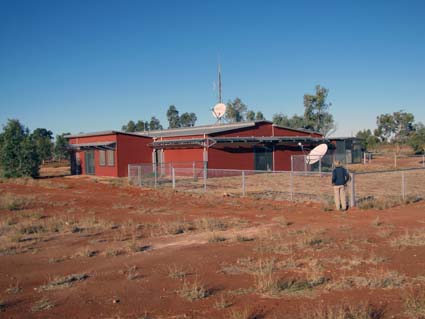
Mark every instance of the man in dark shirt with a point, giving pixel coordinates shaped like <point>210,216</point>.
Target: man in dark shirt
<point>340,178</point>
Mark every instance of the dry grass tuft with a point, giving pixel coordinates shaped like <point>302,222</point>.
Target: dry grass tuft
<point>43,304</point>
<point>415,238</point>
<point>14,202</point>
<point>346,312</point>
<point>222,302</point>
<point>64,282</point>
<point>210,224</point>
<point>193,291</point>
<point>414,303</point>
<point>216,238</point>
<point>176,272</point>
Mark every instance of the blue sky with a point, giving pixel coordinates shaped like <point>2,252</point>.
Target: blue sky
<point>82,66</point>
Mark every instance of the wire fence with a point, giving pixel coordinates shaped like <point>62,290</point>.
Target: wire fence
<point>394,161</point>
<point>279,185</point>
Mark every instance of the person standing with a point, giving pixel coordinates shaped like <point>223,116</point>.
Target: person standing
<point>340,178</point>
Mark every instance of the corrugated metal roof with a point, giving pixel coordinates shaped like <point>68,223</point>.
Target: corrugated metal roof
<point>105,133</point>
<point>201,130</point>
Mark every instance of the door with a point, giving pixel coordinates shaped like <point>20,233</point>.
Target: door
<point>89,162</point>
<point>263,158</point>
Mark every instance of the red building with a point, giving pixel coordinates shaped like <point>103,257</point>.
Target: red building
<point>108,153</point>
<point>258,145</point>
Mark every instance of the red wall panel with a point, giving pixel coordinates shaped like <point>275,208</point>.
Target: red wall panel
<point>132,150</point>
<point>231,158</point>
<point>282,157</point>
<point>183,155</point>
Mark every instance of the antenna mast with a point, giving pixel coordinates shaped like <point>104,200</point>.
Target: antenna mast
<point>219,83</point>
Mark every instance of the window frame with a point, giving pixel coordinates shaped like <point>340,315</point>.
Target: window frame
<point>102,163</point>
<point>110,158</point>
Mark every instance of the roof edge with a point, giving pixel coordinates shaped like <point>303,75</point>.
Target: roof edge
<point>102,133</point>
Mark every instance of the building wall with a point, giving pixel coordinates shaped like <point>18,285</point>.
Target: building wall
<point>231,158</point>
<point>282,157</point>
<point>99,170</point>
<point>183,155</point>
<point>132,150</point>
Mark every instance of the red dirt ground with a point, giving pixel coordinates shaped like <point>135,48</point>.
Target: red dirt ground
<point>124,239</point>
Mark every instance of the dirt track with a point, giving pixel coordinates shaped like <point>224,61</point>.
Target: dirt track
<point>143,249</point>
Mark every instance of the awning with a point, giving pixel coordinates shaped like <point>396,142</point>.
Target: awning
<point>236,141</point>
<point>92,146</point>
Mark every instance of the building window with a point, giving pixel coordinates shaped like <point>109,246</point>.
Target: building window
<point>111,157</point>
<point>102,161</point>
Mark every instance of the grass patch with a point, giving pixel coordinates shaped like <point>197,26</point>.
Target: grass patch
<point>345,312</point>
<point>193,291</point>
<point>14,202</point>
<point>385,203</point>
<point>43,304</point>
<point>176,272</point>
<point>222,302</point>
<point>414,303</point>
<point>215,238</point>
<point>416,238</point>
<point>210,224</point>
<point>64,282</point>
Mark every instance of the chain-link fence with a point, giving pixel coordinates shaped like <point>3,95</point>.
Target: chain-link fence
<point>279,185</point>
<point>312,163</point>
<point>382,185</point>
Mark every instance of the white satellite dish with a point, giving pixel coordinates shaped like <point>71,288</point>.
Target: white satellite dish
<point>219,110</point>
<point>316,154</point>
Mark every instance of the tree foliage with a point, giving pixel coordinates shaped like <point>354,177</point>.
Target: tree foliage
<point>155,124</point>
<point>417,138</point>
<point>129,127</point>
<point>18,151</point>
<point>60,150</point>
<point>236,111</point>
<point>396,127</point>
<point>173,117</point>
<point>316,115</point>
<point>295,121</point>
<point>43,141</point>
<point>188,119</point>
<point>141,126</point>
<point>369,141</point>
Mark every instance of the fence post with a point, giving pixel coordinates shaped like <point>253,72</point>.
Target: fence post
<point>139,175</point>
<point>173,174</point>
<point>128,173</point>
<point>205,177</point>
<point>403,185</point>
<point>291,185</point>
<point>292,163</point>
<point>320,167</point>
<point>305,165</point>
<point>353,190</point>
<point>194,171</point>
<point>243,183</point>
<point>395,160</point>
<point>423,160</point>
<point>155,175</point>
